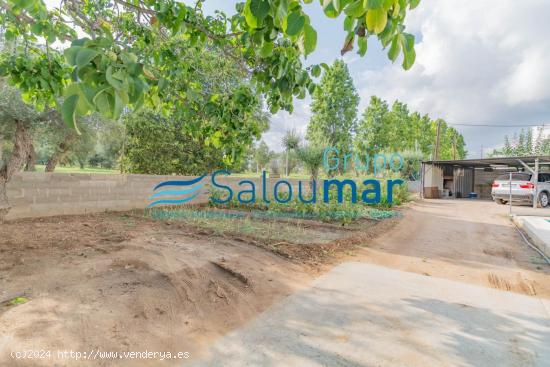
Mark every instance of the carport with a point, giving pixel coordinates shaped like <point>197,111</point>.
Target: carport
<point>464,178</point>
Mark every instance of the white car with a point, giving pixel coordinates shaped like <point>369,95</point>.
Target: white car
<point>523,188</point>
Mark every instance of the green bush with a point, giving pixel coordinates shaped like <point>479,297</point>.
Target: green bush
<point>332,211</point>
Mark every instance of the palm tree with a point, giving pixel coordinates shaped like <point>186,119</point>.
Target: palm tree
<point>291,141</point>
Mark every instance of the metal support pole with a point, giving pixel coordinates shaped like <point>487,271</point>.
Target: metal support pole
<point>536,183</point>
<point>422,180</point>
<point>510,201</point>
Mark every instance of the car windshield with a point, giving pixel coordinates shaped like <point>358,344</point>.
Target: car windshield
<point>515,177</point>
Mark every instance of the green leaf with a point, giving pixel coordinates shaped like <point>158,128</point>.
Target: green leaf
<point>374,4</point>
<point>355,9</point>
<point>121,100</point>
<point>9,35</point>
<point>329,9</point>
<point>68,112</point>
<point>267,49</point>
<point>86,99</point>
<point>84,56</point>
<point>18,301</point>
<point>377,20</point>
<point>309,39</point>
<point>395,49</point>
<point>255,12</point>
<point>260,9</point>
<point>407,44</point>
<point>250,18</point>
<point>114,82</point>
<point>348,23</point>
<point>70,54</point>
<point>316,71</point>
<point>281,13</point>
<point>414,3</point>
<point>24,3</point>
<point>101,101</point>
<point>294,23</point>
<point>36,28</point>
<point>362,44</point>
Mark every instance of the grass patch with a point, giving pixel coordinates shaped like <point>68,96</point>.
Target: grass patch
<point>221,223</point>
<point>331,211</point>
<point>16,301</point>
<point>66,169</point>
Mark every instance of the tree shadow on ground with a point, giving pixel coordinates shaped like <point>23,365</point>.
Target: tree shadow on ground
<point>328,327</point>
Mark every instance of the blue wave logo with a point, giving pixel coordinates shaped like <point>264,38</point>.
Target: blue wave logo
<point>185,190</point>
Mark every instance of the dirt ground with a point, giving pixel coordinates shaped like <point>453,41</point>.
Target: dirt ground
<point>463,240</point>
<point>122,282</point>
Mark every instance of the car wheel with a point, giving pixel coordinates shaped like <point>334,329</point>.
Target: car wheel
<point>543,199</point>
<point>500,201</point>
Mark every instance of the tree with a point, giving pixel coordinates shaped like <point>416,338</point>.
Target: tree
<point>291,141</point>
<point>61,144</point>
<point>111,137</point>
<point>412,161</point>
<point>539,141</point>
<point>124,55</point>
<point>311,157</point>
<point>522,144</point>
<point>262,156</point>
<point>382,129</point>
<point>159,145</point>
<point>372,129</point>
<point>334,109</point>
<point>16,121</point>
<point>121,61</point>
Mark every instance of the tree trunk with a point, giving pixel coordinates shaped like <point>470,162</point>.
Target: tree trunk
<point>31,160</point>
<point>14,164</point>
<point>59,154</point>
<point>286,168</point>
<point>1,148</point>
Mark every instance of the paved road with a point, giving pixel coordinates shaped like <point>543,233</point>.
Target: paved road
<point>366,314</point>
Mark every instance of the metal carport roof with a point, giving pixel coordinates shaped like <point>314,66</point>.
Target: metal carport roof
<point>488,162</point>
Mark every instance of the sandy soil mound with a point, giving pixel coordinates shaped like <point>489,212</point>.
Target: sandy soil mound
<point>115,282</point>
<point>98,282</point>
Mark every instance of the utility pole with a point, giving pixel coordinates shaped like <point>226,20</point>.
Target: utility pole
<point>481,151</point>
<point>437,141</point>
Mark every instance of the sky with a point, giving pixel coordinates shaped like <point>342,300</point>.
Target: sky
<point>478,62</point>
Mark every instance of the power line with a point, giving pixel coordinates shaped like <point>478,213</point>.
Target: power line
<point>489,125</point>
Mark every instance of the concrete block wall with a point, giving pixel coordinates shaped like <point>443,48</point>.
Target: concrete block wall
<point>38,194</point>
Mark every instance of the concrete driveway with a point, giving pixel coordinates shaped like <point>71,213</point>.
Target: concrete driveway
<point>452,285</point>
<point>366,315</point>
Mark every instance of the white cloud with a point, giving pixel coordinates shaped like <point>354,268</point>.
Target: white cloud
<point>482,61</point>
<point>283,121</point>
<point>478,61</point>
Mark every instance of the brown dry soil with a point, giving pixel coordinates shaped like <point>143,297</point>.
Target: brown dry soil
<point>463,240</point>
<point>123,282</point>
